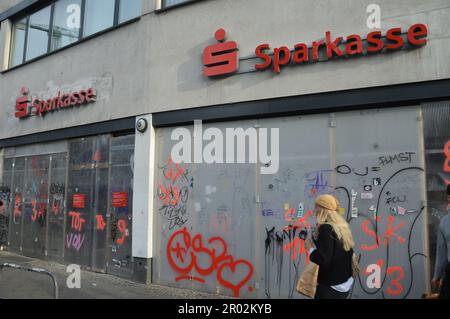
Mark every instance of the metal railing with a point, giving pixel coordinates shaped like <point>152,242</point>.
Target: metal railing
<point>34,270</point>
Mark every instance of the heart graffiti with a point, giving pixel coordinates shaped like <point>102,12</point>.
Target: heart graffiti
<point>247,268</point>
<point>184,252</point>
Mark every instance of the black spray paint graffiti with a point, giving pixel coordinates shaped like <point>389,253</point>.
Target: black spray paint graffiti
<point>396,158</point>
<point>346,170</point>
<point>276,244</point>
<point>5,193</point>
<point>176,214</point>
<point>394,199</point>
<point>174,194</point>
<point>57,189</point>
<point>274,254</point>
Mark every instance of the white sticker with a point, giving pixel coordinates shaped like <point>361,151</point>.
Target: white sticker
<point>300,210</point>
<point>366,196</point>
<point>374,211</point>
<point>393,211</point>
<point>377,181</point>
<point>401,210</point>
<point>353,208</point>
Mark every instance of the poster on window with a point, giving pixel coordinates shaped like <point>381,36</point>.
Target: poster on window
<point>120,199</point>
<point>79,200</point>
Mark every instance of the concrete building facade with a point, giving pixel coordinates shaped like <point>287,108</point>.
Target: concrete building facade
<point>93,99</point>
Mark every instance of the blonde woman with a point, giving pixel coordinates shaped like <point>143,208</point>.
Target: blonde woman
<point>333,250</point>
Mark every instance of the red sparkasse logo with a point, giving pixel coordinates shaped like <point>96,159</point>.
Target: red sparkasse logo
<point>221,58</point>
<point>27,106</point>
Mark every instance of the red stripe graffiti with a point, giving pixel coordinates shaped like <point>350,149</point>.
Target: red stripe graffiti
<point>447,160</point>
<point>17,206</point>
<point>122,226</point>
<point>169,172</point>
<point>185,254</point>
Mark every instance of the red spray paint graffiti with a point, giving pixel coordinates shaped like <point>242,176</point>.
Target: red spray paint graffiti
<point>170,194</point>
<point>101,225</point>
<point>38,210</point>
<point>122,226</point>
<point>388,234</point>
<point>174,197</point>
<point>396,273</point>
<point>297,245</point>
<point>185,254</point>
<point>169,172</point>
<point>76,240</point>
<point>395,288</point>
<point>17,206</point>
<point>77,221</point>
<point>56,207</point>
<point>447,160</point>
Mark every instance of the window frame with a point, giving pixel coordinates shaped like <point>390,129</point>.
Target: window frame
<point>27,31</point>
<point>161,7</point>
<point>26,14</point>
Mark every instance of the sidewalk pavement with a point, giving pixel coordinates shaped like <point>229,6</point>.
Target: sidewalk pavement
<point>19,284</point>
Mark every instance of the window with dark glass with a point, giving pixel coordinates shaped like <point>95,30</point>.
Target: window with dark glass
<point>64,22</point>
<point>99,15</point>
<point>38,33</point>
<point>129,9</point>
<point>168,3</point>
<point>437,153</point>
<point>18,42</point>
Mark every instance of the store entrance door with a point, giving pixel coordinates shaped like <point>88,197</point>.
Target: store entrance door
<point>85,239</point>
<point>121,205</point>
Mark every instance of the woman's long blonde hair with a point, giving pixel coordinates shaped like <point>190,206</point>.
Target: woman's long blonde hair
<point>340,226</point>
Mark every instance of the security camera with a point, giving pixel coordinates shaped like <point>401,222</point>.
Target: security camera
<point>141,125</point>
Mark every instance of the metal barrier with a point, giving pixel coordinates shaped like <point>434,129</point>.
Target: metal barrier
<point>35,270</point>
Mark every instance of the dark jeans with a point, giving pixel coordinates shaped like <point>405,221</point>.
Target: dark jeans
<point>445,290</point>
<point>326,292</point>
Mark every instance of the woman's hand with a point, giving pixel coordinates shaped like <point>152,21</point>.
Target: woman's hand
<point>437,283</point>
<point>309,244</point>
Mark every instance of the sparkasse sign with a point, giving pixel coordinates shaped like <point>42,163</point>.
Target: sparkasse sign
<point>27,106</point>
<point>222,58</point>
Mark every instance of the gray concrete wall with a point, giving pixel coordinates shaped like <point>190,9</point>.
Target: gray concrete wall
<point>155,64</point>
<point>6,4</point>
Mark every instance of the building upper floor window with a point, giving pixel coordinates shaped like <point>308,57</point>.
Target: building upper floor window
<point>169,3</point>
<point>64,22</point>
